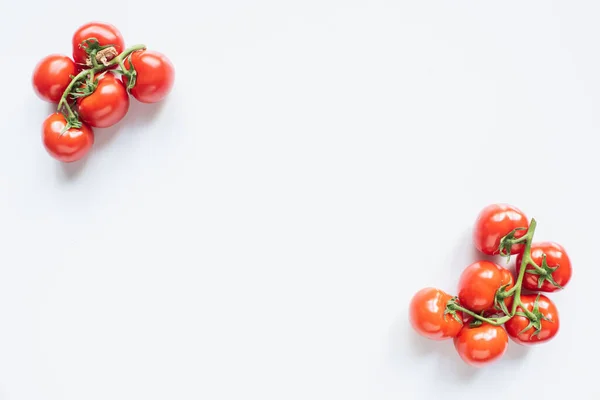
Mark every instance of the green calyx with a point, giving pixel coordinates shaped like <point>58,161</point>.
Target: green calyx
<point>451,310</point>
<point>87,88</point>
<point>545,273</point>
<point>508,241</point>
<point>501,295</point>
<point>535,318</point>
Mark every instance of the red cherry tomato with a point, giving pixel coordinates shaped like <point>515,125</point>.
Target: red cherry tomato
<point>51,77</point>
<point>493,223</point>
<point>107,105</point>
<point>426,314</point>
<point>481,345</point>
<point>556,257</point>
<point>69,146</point>
<point>479,283</point>
<point>522,331</point>
<point>155,75</point>
<point>105,34</point>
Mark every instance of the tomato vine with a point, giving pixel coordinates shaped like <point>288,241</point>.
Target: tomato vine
<point>527,264</point>
<point>100,59</point>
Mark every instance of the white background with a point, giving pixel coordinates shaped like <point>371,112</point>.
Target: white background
<point>261,232</point>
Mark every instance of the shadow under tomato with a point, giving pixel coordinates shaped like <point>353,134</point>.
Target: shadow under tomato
<point>139,114</point>
<point>72,170</point>
<point>408,347</point>
<point>515,351</point>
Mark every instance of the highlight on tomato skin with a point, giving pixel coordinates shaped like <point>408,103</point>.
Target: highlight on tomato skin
<point>493,223</point>
<point>51,76</point>
<point>69,146</point>
<point>478,284</point>
<point>481,345</point>
<point>521,330</point>
<point>556,258</point>
<point>428,318</point>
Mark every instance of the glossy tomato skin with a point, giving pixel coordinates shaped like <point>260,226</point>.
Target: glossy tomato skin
<point>493,223</point>
<point>67,147</point>
<point>549,329</point>
<point>481,345</point>
<point>426,315</point>
<point>106,34</point>
<point>155,75</point>
<point>479,283</point>
<point>107,105</point>
<point>556,256</point>
<point>51,77</point>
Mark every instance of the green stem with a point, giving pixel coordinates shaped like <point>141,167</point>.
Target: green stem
<point>64,102</point>
<point>526,260</point>
<point>491,321</point>
<point>516,289</point>
<point>511,291</point>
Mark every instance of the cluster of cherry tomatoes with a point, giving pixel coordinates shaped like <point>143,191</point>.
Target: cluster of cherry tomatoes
<point>491,304</point>
<point>92,89</point>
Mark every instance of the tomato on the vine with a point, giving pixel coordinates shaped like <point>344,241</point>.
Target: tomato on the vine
<point>557,268</point>
<point>427,314</point>
<point>105,34</point>
<point>495,222</point>
<point>68,146</point>
<point>481,345</point>
<point>154,77</point>
<point>543,327</point>
<point>479,283</point>
<point>51,77</point>
<point>107,104</point>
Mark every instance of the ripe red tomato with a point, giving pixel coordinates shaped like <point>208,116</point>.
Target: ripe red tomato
<point>522,331</point>
<point>556,257</point>
<point>69,146</point>
<point>106,34</point>
<point>155,75</point>
<point>427,315</point>
<point>493,223</point>
<point>107,105</point>
<point>479,283</point>
<point>51,77</point>
<point>481,345</point>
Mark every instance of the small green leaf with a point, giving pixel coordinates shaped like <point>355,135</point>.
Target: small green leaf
<point>456,317</point>
<point>529,326</point>
<point>508,241</point>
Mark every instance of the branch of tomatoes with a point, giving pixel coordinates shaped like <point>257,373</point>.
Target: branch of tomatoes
<point>491,306</point>
<point>92,88</point>
<point>86,82</point>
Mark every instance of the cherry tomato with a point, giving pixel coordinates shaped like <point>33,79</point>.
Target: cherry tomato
<point>479,283</point>
<point>105,34</point>
<point>523,331</point>
<point>155,75</point>
<point>107,105</point>
<point>556,257</point>
<point>69,146</point>
<point>493,223</point>
<point>51,77</point>
<point>481,345</point>
<point>427,315</point>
